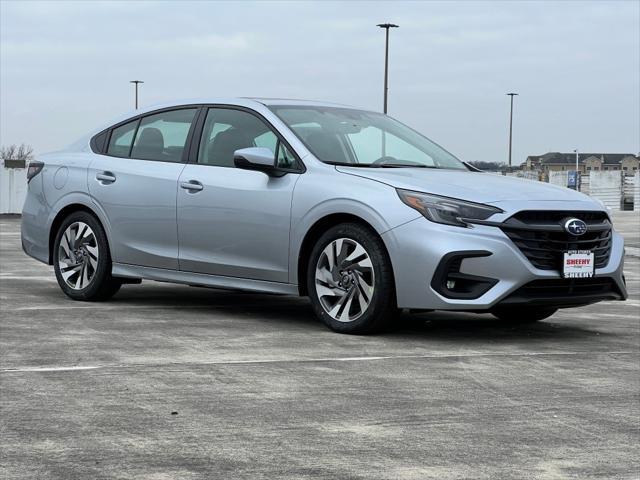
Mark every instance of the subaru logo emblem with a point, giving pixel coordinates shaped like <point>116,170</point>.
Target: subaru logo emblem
<point>575,226</point>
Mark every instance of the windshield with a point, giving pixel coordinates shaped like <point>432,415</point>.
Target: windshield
<point>344,136</point>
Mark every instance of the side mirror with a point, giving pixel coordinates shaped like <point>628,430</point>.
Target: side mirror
<point>260,159</point>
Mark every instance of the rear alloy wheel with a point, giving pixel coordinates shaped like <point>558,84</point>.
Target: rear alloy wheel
<point>78,255</point>
<point>523,315</point>
<point>350,281</point>
<point>81,259</point>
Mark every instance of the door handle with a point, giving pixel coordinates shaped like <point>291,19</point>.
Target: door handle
<point>192,185</point>
<point>105,177</point>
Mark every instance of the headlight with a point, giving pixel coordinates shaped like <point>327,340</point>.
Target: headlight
<point>449,211</point>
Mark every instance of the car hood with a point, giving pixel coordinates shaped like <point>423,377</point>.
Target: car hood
<point>472,186</point>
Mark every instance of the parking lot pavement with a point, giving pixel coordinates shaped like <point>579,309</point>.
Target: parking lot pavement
<point>167,381</point>
<point>627,223</point>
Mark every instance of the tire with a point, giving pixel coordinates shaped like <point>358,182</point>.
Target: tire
<point>523,315</point>
<point>350,280</point>
<point>81,259</point>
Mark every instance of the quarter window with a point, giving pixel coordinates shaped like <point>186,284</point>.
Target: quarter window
<point>121,138</point>
<point>163,136</point>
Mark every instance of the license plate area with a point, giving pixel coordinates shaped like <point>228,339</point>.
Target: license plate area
<point>578,264</point>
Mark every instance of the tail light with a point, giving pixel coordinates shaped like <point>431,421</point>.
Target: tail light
<point>34,169</point>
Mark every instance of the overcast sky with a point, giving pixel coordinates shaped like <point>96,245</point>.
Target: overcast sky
<point>65,66</point>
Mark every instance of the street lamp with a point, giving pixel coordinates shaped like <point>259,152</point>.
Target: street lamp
<point>136,82</point>
<point>511,125</point>
<point>386,26</point>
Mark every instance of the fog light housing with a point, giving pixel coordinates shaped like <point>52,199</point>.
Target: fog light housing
<point>449,282</point>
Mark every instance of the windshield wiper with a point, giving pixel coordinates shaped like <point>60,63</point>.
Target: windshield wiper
<point>401,165</point>
<point>380,165</point>
<point>346,164</point>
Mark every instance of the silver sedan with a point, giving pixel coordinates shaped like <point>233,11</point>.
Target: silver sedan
<point>350,207</point>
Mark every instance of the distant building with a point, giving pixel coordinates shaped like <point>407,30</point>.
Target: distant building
<point>556,161</point>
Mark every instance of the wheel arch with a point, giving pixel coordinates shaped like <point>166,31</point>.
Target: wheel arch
<point>315,232</point>
<point>63,213</point>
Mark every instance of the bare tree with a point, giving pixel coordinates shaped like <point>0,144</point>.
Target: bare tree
<point>488,166</point>
<point>15,152</point>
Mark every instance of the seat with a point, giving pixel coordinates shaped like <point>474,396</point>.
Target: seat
<point>150,145</point>
<point>220,151</point>
<point>326,146</point>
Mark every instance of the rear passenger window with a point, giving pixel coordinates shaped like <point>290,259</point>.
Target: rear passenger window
<point>121,138</point>
<point>163,136</point>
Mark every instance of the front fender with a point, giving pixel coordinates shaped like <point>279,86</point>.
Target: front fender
<point>330,192</point>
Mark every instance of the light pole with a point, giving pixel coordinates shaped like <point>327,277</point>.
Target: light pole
<point>511,126</point>
<point>575,181</point>
<point>386,27</point>
<point>136,82</point>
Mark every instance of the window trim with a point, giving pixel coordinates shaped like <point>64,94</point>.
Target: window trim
<point>133,140</point>
<point>197,138</point>
<point>99,146</point>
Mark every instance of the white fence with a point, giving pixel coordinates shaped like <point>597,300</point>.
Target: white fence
<point>606,187</point>
<point>13,189</point>
<point>610,187</point>
<point>632,188</point>
<point>529,175</point>
<point>559,178</point>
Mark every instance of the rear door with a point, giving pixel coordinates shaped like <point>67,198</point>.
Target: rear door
<point>135,184</point>
<point>235,222</point>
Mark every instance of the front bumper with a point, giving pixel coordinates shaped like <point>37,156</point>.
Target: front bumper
<point>417,247</point>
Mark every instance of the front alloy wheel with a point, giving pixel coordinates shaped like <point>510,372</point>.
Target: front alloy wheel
<point>345,280</point>
<point>350,280</point>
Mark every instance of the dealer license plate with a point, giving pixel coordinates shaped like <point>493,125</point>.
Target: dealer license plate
<point>578,264</point>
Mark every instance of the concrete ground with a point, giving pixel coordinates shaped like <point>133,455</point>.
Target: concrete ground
<point>167,382</point>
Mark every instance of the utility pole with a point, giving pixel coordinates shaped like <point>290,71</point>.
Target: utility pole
<point>511,126</point>
<point>577,160</point>
<point>136,82</point>
<point>386,27</point>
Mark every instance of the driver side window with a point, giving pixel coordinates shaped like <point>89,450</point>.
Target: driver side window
<point>227,130</point>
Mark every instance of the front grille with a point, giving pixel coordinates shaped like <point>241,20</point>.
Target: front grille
<point>565,292</point>
<point>541,237</point>
<point>567,287</point>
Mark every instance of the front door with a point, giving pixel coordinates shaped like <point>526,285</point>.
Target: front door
<point>235,222</point>
<point>135,185</point>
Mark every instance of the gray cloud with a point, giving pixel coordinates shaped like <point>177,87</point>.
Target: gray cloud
<point>65,66</point>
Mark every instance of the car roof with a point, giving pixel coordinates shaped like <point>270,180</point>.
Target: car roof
<point>294,101</point>
<point>239,101</point>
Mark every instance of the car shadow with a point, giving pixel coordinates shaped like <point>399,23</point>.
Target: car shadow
<point>484,327</point>
<point>294,312</point>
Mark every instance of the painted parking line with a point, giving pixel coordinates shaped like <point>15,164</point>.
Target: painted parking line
<point>444,356</point>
